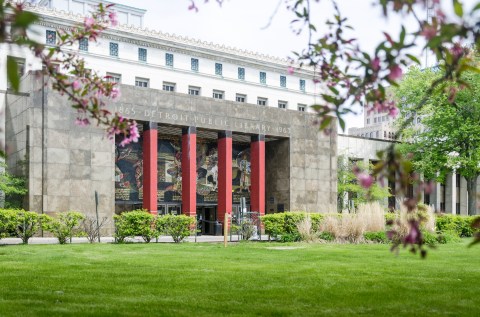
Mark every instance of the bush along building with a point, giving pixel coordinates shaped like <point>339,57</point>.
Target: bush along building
<point>217,125</point>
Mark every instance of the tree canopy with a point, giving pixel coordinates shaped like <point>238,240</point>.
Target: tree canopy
<point>444,136</point>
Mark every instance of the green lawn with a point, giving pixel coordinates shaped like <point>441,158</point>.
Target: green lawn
<point>248,279</point>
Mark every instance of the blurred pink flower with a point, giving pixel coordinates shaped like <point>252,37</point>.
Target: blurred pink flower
<point>395,73</point>
<point>115,93</point>
<point>393,112</point>
<point>365,180</point>
<point>376,64</point>
<point>290,70</point>
<point>76,85</point>
<point>89,22</point>
<point>82,122</point>
<point>113,18</point>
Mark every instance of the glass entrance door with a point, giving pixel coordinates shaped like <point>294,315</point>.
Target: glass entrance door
<point>207,217</point>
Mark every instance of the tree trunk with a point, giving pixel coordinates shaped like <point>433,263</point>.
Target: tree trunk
<point>472,195</point>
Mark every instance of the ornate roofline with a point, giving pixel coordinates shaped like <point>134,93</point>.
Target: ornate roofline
<point>155,35</point>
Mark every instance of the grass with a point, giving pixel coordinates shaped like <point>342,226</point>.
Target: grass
<point>247,279</point>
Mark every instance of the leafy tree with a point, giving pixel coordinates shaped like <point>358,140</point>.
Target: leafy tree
<point>348,184</point>
<point>448,138</point>
<point>14,187</point>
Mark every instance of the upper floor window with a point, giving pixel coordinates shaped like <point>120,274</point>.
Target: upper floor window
<point>20,69</point>
<point>262,101</point>
<point>241,73</point>
<point>282,104</point>
<point>218,94</point>
<point>384,134</point>
<point>195,64</point>
<point>114,78</point>
<point>83,44</point>
<point>301,107</point>
<point>142,82</point>
<point>113,49</point>
<point>218,69</point>
<point>169,59</point>
<point>263,78</point>
<point>368,121</point>
<point>283,81</point>
<point>241,98</point>
<point>51,37</point>
<point>195,91</point>
<point>302,84</point>
<point>142,54</point>
<point>168,86</point>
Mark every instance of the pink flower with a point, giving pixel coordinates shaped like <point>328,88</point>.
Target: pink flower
<point>365,180</point>
<point>192,6</point>
<point>393,112</point>
<point>113,18</point>
<point>395,73</point>
<point>115,93</point>
<point>290,70</point>
<point>88,22</point>
<point>429,32</point>
<point>82,122</point>
<point>375,64</point>
<point>76,85</point>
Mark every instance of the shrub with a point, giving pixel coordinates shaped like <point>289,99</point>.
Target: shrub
<point>274,224</point>
<point>290,221</point>
<point>326,236</point>
<point>135,223</point>
<point>66,226</point>
<point>178,227</point>
<point>28,223</point>
<point>305,230</point>
<point>376,236</point>
<point>290,237</point>
<point>91,227</point>
<point>460,225</point>
<point>429,238</point>
<point>7,222</point>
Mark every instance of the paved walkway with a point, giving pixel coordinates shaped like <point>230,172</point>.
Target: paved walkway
<point>162,239</point>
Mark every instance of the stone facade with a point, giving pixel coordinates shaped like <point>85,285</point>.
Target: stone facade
<point>67,163</point>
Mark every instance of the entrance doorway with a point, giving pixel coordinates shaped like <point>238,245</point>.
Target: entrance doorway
<point>206,218</point>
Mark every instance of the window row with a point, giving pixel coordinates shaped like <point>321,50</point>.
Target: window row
<point>169,61</point>
<point>196,91</point>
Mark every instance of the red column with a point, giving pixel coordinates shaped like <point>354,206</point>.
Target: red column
<point>189,171</point>
<point>150,140</point>
<point>257,176</point>
<point>224,174</point>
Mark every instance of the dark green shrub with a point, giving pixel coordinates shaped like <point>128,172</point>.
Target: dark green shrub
<point>66,226</point>
<point>448,237</point>
<point>135,223</point>
<point>390,217</point>
<point>290,237</point>
<point>461,225</point>
<point>274,224</point>
<point>7,222</point>
<point>327,236</point>
<point>178,227</point>
<point>429,238</point>
<point>378,237</point>
<point>28,223</point>
<point>316,219</point>
<point>290,221</point>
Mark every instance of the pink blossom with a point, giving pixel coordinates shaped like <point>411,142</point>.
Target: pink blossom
<point>393,112</point>
<point>113,18</point>
<point>375,64</point>
<point>115,93</point>
<point>82,122</point>
<point>365,180</point>
<point>76,85</point>
<point>429,32</point>
<point>89,22</point>
<point>395,73</point>
<point>290,70</point>
<point>192,6</point>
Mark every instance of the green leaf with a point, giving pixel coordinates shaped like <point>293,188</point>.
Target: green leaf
<point>342,123</point>
<point>12,73</point>
<point>413,59</point>
<point>458,8</point>
<point>25,19</point>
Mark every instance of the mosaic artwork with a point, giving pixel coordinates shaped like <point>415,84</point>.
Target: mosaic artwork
<point>129,170</point>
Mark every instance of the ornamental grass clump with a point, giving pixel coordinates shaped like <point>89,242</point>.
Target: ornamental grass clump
<point>373,216</point>
<point>305,230</point>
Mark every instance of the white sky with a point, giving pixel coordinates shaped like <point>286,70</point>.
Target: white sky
<point>239,23</point>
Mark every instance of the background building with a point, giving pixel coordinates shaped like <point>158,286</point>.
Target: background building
<point>217,124</point>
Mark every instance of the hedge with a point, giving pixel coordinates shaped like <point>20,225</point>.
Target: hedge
<point>285,223</point>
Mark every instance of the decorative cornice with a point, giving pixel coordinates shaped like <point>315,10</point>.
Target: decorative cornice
<point>151,38</point>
